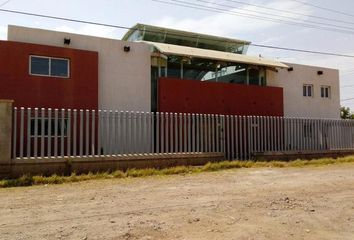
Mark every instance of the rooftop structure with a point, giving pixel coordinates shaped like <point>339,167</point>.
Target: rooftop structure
<point>143,32</point>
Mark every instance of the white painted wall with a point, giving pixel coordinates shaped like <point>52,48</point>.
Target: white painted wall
<point>124,77</point>
<point>295,104</point>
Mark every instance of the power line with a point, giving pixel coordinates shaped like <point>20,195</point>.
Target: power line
<point>303,51</point>
<point>347,99</point>
<point>64,19</point>
<point>291,12</point>
<point>323,8</point>
<point>269,14</point>
<point>226,11</point>
<point>175,34</point>
<point>4,3</point>
<point>257,45</point>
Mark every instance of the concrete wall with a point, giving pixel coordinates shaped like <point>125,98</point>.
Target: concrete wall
<point>124,77</point>
<point>295,104</point>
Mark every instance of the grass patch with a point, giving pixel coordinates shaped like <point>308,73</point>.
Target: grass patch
<point>28,180</point>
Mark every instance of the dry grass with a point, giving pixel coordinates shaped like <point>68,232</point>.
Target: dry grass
<point>27,180</point>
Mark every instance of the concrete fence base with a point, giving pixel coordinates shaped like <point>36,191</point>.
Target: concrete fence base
<point>79,165</point>
<point>307,155</point>
<point>66,166</point>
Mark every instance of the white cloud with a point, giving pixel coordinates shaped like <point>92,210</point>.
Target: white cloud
<point>3,33</point>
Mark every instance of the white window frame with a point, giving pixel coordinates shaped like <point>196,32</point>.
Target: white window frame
<point>329,91</point>
<point>50,62</point>
<point>312,90</point>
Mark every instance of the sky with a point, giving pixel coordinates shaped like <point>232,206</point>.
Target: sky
<point>247,22</point>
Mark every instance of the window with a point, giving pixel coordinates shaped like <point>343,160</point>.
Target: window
<point>307,90</point>
<point>325,91</point>
<point>49,66</point>
<point>50,127</point>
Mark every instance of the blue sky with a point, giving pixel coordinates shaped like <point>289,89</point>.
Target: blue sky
<point>128,13</point>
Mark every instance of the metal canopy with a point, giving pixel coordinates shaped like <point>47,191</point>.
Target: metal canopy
<point>169,49</point>
<point>159,34</point>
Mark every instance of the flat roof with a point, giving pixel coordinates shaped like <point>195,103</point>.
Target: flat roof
<point>170,49</point>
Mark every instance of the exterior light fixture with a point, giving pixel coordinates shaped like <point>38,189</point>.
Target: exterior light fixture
<point>67,41</point>
<point>126,48</point>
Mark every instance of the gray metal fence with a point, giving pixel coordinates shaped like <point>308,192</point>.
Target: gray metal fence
<point>45,133</point>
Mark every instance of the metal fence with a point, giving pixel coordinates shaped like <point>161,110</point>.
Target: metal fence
<point>77,133</point>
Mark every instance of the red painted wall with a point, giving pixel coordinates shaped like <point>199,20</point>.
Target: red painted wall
<point>78,91</point>
<point>188,96</point>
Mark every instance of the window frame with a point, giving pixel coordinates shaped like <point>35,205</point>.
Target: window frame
<point>50,66</point>
<point>324,87</point>
<point>49,135</point>
<point>307,93</point>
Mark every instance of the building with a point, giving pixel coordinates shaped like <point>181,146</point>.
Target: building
<point>114,65</point>
<point>309,91</point>
<point>159,69</point>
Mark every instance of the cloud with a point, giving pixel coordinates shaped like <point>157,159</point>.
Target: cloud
<point>3,33</point>
<point>92,30</point>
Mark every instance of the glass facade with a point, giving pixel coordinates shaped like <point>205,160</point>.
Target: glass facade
<point>193,68</point>
<point>171,36</point>
<point>214,71</point>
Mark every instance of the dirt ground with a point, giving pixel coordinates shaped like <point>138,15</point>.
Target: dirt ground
<point>294,203</point>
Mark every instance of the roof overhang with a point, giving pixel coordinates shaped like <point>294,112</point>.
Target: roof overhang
<point>180,33</point>
<point>169,49</point>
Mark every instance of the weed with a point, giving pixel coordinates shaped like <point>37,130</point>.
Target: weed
<point>27,180</point>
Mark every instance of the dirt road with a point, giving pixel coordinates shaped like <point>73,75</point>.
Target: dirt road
<point>309,203</point>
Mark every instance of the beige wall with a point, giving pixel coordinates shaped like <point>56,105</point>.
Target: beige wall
<point>295,104</point>
<point>124,77</point>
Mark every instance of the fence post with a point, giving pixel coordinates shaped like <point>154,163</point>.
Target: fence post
<point>5,135</point>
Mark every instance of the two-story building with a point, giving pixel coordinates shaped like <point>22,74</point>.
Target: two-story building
<point>159,69</point>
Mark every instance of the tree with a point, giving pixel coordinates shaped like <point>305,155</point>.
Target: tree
<point>346,113</point>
